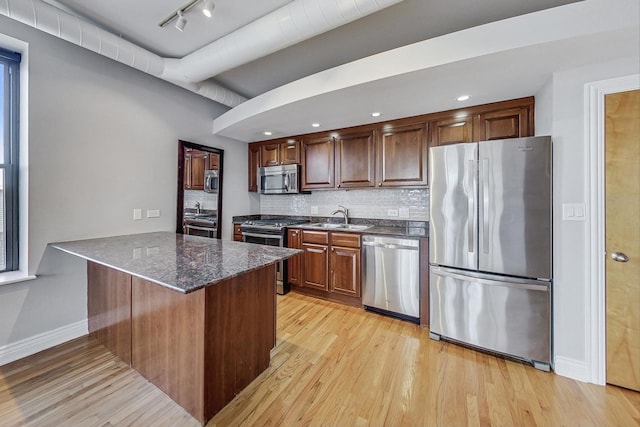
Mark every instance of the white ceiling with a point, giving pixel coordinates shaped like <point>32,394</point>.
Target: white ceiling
<point>501,75</point>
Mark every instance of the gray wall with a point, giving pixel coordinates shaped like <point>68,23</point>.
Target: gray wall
<point>102,141</point>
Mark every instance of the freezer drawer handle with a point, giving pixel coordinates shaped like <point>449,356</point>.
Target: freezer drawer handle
<point>515,283</point>
<point>620,257</point>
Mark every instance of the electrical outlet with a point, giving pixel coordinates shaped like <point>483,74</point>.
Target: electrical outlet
<point>392,212</point>
<point>403,212</point>
<point>153,213</point>
<point>314,209</point>
<point>137,214</point>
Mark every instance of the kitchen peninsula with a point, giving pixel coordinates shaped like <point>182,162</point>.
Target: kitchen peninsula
<point>195,316</point>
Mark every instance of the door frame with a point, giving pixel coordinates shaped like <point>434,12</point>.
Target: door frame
<point>595,330</point>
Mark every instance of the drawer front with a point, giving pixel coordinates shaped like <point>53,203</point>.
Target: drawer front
<point>320,237</point>
<point>348,240</point>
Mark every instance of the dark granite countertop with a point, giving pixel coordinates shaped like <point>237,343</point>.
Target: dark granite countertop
<point>401,228</point>
<point>180,262</point>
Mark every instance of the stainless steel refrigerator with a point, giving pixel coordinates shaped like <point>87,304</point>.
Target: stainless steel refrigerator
<point>490,240</point>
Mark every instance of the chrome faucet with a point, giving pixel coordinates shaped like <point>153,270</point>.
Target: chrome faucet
<point>344,211</point>
<point>197,207</point>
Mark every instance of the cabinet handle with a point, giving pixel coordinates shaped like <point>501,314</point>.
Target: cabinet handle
<point>379,184</point>
<point>338,185</point>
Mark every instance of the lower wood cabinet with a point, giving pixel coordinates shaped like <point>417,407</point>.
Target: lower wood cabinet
<point>329,267</point>
<point>237,233</point>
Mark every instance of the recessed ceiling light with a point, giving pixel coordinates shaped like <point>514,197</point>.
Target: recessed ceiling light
<point>268,133</point>
<point>463,98</point>
<point>315,125</point>
<point>207,8</point>
<point>376,114</point>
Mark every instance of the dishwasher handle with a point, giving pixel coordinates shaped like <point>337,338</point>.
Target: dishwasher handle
<point>389,246</point>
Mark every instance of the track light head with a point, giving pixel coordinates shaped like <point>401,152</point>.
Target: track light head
<point>181,22</point>
<point>207,8</point>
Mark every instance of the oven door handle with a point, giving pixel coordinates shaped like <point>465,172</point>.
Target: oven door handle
<point>262,236</point>
<point>196,227</point>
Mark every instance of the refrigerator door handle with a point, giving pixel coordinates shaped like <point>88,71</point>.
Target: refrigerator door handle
<point>471,207</point>
<point>484,184</point>
<point>476,278</point>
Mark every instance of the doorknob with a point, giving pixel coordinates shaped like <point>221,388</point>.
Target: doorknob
<point>619,256</point>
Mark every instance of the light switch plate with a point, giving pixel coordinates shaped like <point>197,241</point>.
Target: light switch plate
<point>137,214</point>
<point>573,211</point>
<point>153,213</point>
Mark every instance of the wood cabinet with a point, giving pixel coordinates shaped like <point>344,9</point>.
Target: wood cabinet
<point>402,156</point>
<point>294,264</point>
<point>344,264</point>
<point>214,161</point>
<point>237,233</point>
<point>329,266</point>
<point>195,163</point>
<point>451,130</point>
<point>318,163</point>
<point>354,160</point>
<point>280,153</point>
<point>254,164</point>
<point>502,124</point>
<point>393,153</point>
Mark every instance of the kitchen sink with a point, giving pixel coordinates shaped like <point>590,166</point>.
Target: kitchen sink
<point>330,226</point>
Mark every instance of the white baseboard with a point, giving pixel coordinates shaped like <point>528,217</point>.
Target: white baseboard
<point>572,368</point>
<point>36,343</point>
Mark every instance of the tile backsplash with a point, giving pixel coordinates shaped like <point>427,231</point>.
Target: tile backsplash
<point>207,201</point>
<point>361,203</point>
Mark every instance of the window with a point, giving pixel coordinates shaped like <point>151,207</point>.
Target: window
<point>9,96</point>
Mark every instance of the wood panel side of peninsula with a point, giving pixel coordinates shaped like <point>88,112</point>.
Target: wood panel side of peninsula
<point>200,348</point>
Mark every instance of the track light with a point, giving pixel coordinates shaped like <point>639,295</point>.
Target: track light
<point>207,8</point>
<point>181,22</point>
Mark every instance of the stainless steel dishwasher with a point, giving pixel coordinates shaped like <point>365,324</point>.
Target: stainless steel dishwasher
<point>391,273</point>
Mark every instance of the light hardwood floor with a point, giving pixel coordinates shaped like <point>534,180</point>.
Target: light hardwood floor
<point>332,366</point>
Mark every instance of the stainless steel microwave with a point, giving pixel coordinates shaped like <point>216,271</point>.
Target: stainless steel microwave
<point>211,181</point>
<point>279,179</point>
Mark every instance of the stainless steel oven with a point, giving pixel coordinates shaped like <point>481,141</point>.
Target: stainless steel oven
<point>270,232</point>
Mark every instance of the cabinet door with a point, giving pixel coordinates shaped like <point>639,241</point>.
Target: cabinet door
<point>270,155</point>
<point>402,156</point>
<point>237,233</point>
<point>355,160</point>
<point>451,131</point>
<point>187,171</point>
<point>214,161</point>
<point>345,271</point>
<point>512,123</point>
<point>294,264</point>
<point>316,266</point>
<point>289,153</point>
<point>317,163</point>
<point>199,160</point>
<point>254,164</point>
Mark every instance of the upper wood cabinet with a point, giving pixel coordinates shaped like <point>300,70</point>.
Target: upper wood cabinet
<point>394,153</point>
<point>318,163</point>
<point>502,124</point>
<point>280,153</point>
<point>402,156</point>
<point>214,161</point>
<point>450,130</point>
<point>196,162</point>
<point>254,164</point>
<point>354,160</point>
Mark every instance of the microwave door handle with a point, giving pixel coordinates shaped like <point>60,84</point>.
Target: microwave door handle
<point>207,182</point>
<point>286,182</point>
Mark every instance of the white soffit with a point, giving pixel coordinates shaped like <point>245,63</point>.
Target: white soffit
<point>516,67</point>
